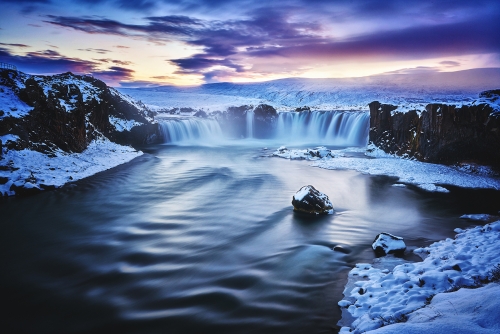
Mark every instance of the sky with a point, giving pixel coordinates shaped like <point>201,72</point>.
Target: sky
<point>191,42</point>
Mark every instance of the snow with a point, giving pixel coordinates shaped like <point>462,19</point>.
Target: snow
<point>375,297</point>
<point>389,243</point>
<point>408,92</point>
<point>477,217</point>
<point>307,154</point>
<point>462,311</point>
<point>299,195</point>
<point>123,124</point>
<point>32,169</point>
<point>8,137</point>
<point>426,176</point>
<point>11,105</point>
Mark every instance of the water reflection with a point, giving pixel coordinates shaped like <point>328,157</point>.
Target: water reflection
<point>190,239</point>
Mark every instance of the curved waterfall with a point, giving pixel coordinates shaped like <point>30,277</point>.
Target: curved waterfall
<point>327,127</point>
<point>339,128</point>
<point>191,130</point>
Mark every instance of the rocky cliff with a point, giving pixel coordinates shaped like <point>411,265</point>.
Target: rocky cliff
<point>441,133</point>
<point>61,116</point>
<point>67,112</point>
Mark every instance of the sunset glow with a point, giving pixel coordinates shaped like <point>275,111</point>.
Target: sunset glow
<point>191,42</point>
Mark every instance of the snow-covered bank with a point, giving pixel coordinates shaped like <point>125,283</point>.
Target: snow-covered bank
<point>429,177</point>
<point>28,169</point>
<point>55,129</point>
<point>377,297</point>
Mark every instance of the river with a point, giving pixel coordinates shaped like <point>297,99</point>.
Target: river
<point>203,239</point>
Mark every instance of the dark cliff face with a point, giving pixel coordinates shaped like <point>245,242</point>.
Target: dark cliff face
<point>69,111</point>
<point>441,133</point>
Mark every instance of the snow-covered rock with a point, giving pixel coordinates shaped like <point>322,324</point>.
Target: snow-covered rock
<point>477,217</point>
<point>52,117</point>
<point>307,154</point>
<point>311,201</point>
<point>386,243</point>
<point>426,176</point>
<point>379,297</point>
<point>461,312</point>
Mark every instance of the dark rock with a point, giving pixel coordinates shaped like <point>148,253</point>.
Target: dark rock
<point>304,108</point>
<point>386,243</point>
<point>265,117</point>
<point>201,113</point>
<point>341,249</point>
<point>61,119</point>
<point>441,133</point>
<point>310,201</point>
<point>26,189</point>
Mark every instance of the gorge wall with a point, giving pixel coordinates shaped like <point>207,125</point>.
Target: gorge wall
<point>441,133</point>
<point>66,112</point>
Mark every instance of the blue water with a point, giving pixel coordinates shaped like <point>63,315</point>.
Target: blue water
<point>200,239</point>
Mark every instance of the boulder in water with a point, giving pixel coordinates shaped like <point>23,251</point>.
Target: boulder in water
<point>311,201</point>
<point>386,243</point>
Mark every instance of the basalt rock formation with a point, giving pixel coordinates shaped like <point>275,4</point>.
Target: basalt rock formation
<point>441,133</point>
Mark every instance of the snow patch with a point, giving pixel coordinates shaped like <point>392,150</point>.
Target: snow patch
<point>426,176</point>
<point>31,169</point>
<point>447,265</point>
<point>123,124</point>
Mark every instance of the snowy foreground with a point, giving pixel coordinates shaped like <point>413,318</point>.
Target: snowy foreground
<point>455,289</point>
<point>31,169</point>
<point>429,177</point>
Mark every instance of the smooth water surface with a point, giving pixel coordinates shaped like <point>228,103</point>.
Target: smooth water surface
<point>203,240</point>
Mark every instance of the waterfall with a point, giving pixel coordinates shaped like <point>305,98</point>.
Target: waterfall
<point>191,130</point>
<point>336,128</point>
<point>340,128</point>
<point>250,120</point>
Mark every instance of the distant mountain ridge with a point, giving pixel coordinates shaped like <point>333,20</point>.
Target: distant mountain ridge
<point>411,90</point>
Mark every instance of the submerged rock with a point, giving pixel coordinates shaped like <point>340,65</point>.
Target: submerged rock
<point>386,243</point>
<point>311,201</point>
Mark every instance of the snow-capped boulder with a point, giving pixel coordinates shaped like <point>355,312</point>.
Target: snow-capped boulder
<point>386,243</point>
<point>311,201</point>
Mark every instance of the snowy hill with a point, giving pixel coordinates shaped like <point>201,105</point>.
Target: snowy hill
<point>54,129</point>
<point>413,91</point>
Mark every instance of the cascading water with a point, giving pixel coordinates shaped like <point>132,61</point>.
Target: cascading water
<point>188,130</point>
<point>339,128</point>
<point>250,120</point>
<point>324,127</point>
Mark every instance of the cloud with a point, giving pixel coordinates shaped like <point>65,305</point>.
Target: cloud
<point>419,42</point>
<point>114,61</point>
<point>114,73</point>
<point>17,45</point>
<point>450,63</point>
<point>271,32</point>
<point>303,31</point>
<point>50,62</point>
<point>100,51</point>
<point>47,62</point>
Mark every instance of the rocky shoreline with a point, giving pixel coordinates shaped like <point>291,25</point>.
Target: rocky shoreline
<point>65,114</point>
<point>60,118</point>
